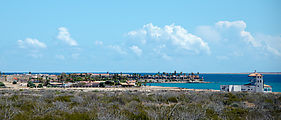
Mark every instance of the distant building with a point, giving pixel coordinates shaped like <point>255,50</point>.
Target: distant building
<point>256,85</point>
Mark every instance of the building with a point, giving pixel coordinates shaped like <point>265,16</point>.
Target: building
<point>256,85</point>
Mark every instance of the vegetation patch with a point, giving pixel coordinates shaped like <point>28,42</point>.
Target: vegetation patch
<point>135,105</point>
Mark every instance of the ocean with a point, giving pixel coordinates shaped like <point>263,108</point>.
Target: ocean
<point>224,79</point>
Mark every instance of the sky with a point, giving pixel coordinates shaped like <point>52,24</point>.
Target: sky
<point>140,36</point>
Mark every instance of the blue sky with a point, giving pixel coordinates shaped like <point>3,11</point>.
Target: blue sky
<point>143,36</point>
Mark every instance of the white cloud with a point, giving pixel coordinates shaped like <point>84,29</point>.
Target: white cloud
<point>136,50</point>
<point>166,57</point>
<point>36,55</point>
<point>270,43</point>
<point>64,35</point>
<point>222,58</point>
<point>234,33</point>
<point>75,55</point>
<point>29,42</point>
<point>99,43</point>
<point>132,33</point>
<point>208,32</point>
<point>138,35</point>
<point>250,39</point>
<point>118,49</point>
<point>240,27</point>
<point>175,36</point>
<point>61,57</point>
<point>237,53</point>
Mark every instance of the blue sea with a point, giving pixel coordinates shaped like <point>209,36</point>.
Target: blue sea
<point>224,79</point>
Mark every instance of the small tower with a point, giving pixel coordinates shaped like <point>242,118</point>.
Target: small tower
<point>257,81</point>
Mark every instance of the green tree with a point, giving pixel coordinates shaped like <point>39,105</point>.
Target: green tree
<point>2,84</point>
<point>30,84</point>
<point>14,82</point>
<point>102,84</point>
<point>40,85</point>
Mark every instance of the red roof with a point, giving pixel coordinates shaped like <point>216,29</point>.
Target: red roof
<point>255,74</point>
<point>266,85</point>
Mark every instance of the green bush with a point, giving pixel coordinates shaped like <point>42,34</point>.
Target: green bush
<point>102,84</point>
<point>2,84</point>
<point>63,98</point>
<point>40,86</point>
<point>75,104</point>
<point>14,82</point>
<point>236,113</point>
<point>31,84</point>
<point>230,99</point>
<point>27,106</point>
<point>77,116</point>
<point>172,99</point>
<point>211,114</point>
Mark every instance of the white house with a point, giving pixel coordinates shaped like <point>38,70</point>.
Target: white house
<point>256,85</point>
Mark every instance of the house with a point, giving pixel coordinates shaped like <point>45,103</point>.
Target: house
<point>256,85</point>
<point>56,84</point>
<point>129,83</point>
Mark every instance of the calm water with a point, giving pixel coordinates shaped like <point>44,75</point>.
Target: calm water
<point>224,79</point>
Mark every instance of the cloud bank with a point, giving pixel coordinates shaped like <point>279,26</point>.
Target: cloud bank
<point>64,35</point>
<point>31,43</point>
<point>166,40</point>
<point>233,34</point>
<point>136,50</point>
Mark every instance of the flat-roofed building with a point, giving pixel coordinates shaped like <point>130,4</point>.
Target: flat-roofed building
<point>256,85</point>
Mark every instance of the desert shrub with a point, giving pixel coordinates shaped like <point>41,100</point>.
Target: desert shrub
<point>40,86</point>
<point>109,82</point>
<point>66,98</point>
<point>2,84</point>
<point>76,104</point>
<point>141,115</point>
<point>234,105</point>
<point>211,114</point>
<point>27,106</point>
<point>268,101</point>
<point>230,98</point>
<point>172,99</point>
<point>58,92</point>
<point>95,91</point>
<point>79,116</point>
<point>14,97</point>
<point>235,113</point>
<point>22,116</point>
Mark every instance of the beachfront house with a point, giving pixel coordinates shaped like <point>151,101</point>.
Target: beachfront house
<point>256,85</point>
